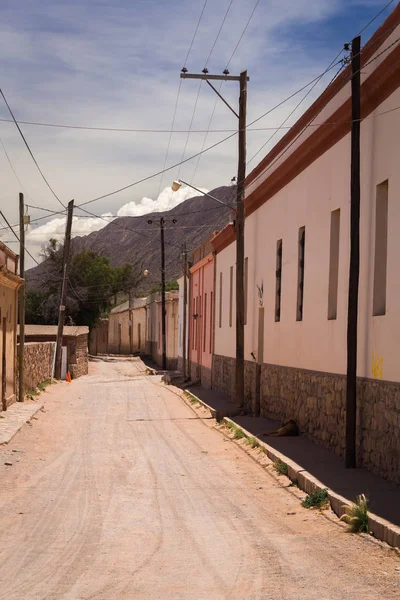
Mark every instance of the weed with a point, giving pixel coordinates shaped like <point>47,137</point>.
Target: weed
<point>356,515</point>
<point>32,393</point>
<point>192,399</point>
<point>43,385</point>
<point>280,467</point>
<point>239,434</point>
<point>317,499</point>
<point>253,442</point>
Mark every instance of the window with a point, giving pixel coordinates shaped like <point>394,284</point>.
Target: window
<point>230,295</point>
<point>246,287</point>
<point>300,277</point>
<point>381,240</point>
<point>205,323</point>
<point>220,299</point>
<point>278,284</point>
<point>334,265</point>
<point>211,321</point>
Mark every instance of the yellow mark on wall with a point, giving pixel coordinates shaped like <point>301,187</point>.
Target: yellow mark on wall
<point>377,366</point>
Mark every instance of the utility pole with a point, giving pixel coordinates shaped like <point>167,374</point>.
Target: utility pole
<point>21,292</point>
<point>352,315</point>
<point>163,308</point>
<point>240,216</point>
<point>61,311</point>
<point>184,347</point>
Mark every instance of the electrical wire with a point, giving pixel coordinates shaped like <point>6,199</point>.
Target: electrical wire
<point>242,34</point>
<point>219,33</point>
<point>29,150</point>
<point>376,17</point>
<point>178,95</point>
<point>296,107</point>
<point>13,231</point>
<point>12,168</point>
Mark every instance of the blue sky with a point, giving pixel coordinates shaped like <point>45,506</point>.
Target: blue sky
<point>117,64</point>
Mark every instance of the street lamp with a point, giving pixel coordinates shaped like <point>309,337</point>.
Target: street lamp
<point>177,184</point>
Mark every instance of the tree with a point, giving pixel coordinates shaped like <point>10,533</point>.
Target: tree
<point>92,285</point>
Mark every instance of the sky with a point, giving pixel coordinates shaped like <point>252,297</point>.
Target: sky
<point>116,64</point>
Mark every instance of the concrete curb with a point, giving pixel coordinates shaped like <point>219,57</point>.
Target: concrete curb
<point>381,529</point>
<point>12,428</point>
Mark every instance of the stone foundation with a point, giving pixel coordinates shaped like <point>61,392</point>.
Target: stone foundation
<point>316,401</point>
<point>223,378</point>
<point>38,363</point>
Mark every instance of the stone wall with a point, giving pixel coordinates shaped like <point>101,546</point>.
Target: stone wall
<point>223,378</point>
<point>78,363</point>
<point>38,363</point>
<point>317,402</point>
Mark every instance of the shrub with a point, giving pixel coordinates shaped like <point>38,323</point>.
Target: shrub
<point>356,515</point>
<point>280,467</point>
<point>317,499</point>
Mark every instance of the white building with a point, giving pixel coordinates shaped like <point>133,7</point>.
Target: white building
<point>297,244</point>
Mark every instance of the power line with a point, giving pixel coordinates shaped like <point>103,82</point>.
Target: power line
<point>29,150</point>
<point>11,228</point>
<point>242,34</point>
<point>12,167</point>
<point>219,33</point>
<point>376,16</point>
<point>179,92</point>
<point>297,106</point>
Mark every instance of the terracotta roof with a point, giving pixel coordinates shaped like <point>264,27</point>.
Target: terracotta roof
<point>70,331</point>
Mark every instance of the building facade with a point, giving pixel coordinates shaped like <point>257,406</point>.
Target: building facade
<point>297,244</point>
<point>153,346</point>
<point>127,327</point>
<point>9,286</point>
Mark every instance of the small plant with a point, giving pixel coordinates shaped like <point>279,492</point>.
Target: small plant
<point>356,515</point>
<point>192,399</point>
<point>252,441</point>
<point>43,385</point>
<point>318,499</point>
<point>239,434</point>
<point>280,467</point>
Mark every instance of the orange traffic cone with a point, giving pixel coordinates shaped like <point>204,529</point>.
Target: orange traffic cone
<point>68,377</point>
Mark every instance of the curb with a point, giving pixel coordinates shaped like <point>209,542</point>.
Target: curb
<point>18,427</point>
<point>381,529</point>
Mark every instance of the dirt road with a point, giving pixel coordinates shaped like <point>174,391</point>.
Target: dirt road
<point>119,491</point>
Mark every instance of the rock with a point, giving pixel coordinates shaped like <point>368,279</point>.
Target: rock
<point>8,463</point>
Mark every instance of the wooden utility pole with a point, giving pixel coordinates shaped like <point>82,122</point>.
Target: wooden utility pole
<point>239,380</point>
<point>21,293</point>
<point>64,285</point>
<point>352,315</point>
<point>240,216</point>
<point>184,347</point>
<point>163,307</point>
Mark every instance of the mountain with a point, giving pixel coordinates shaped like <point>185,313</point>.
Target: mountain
<point>134,240</point>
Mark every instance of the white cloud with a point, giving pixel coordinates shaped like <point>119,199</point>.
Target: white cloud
<point>166,200</point>
<point>55,228</point>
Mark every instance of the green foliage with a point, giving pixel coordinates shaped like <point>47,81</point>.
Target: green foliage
<point>356,515</point>
<point>280,467</point>
<point>170,286</point>
<point>317,499</point>
<point>253,442</point>
<point>93,286</point>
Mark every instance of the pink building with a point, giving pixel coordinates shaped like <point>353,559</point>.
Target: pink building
<point>201,315</point>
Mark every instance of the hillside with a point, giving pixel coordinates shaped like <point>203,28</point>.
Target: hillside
<point>134,240</point>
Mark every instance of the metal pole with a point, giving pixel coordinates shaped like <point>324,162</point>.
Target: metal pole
<point>351,383</point>
<point>21,293</point>
<point>163,308</point>
<point>184,348</point>
<point>239,380</point>
<point>61,311</point>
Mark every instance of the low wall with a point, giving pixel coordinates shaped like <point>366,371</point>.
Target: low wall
<point>38,363</point>
<point>223,378</point>
<point>317,402</point>
<point>81,365</point>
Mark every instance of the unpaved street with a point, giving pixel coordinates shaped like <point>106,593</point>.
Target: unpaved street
<point>120,491</point>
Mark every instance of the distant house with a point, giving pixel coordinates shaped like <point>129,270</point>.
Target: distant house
<point>74,346</point>
<point>126,327</point>
<point>98,342</point>
<point>9,285</point>
<point>153,329</point>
